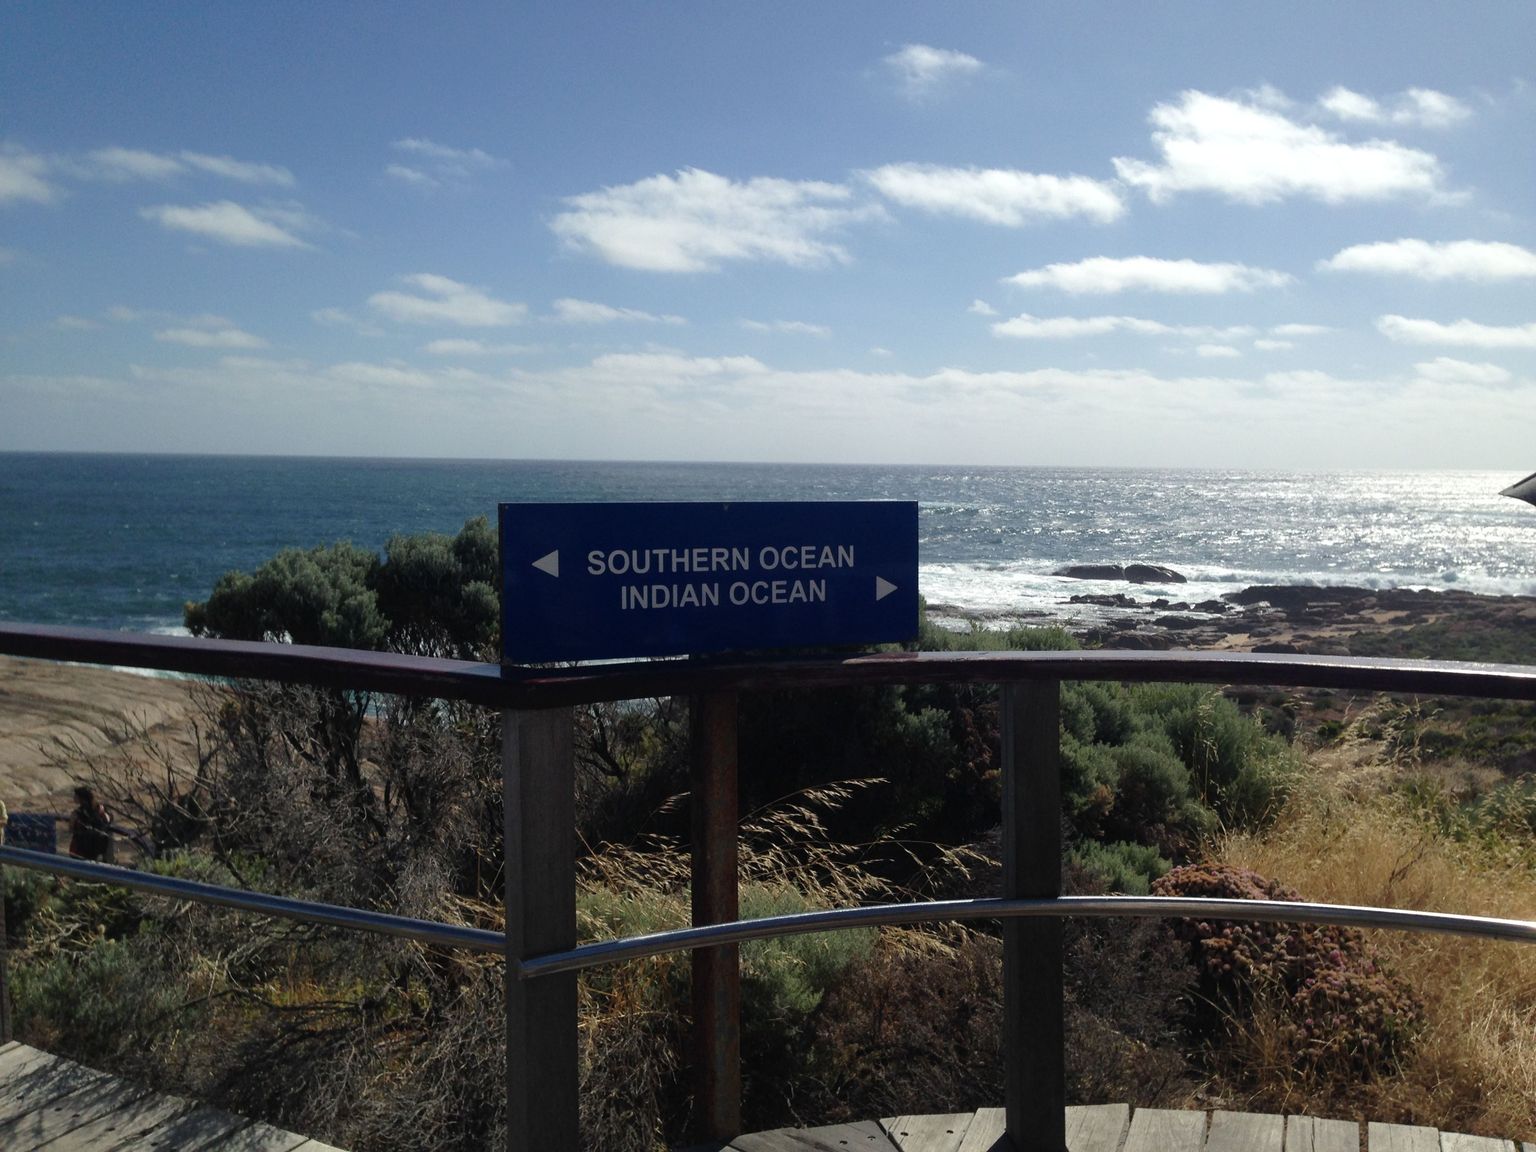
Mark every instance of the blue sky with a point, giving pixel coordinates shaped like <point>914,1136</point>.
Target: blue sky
<point>1296,235</point>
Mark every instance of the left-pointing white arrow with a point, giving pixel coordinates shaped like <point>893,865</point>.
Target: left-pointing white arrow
<point>549,563</point>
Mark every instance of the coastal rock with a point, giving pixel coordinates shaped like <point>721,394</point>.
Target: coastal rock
<point>1091,572</point>
<point>1178,623</point>
<point>1153,574</point>
<point>1288,597</point>
<point>1115,600</point>
<point>1135,573</point>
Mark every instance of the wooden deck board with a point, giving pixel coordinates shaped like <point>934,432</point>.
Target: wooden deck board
<point>29,1079</point>
<point>1119,1128</point>
<point>929,1133</point>
<point>986,1132</point>
<point>1245,1132</point>
<point>1165,1130</point>
<point>1454,1142</point>
<point>122,1129</point>
<point>1097,1127</point>
<point>1401,1138</point>
<point>56,1116</point>
<point>256,1137</point>
<point>866,1134</point>
<point>194,1130</point>
<point>1310,1134</point>
<point>55,1105</point>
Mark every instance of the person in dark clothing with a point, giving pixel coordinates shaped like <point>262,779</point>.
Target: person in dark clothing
<point>90,828</point>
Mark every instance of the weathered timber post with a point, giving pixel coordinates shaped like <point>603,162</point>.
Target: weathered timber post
<point>5,978</point>
<point>716,971</point>
<point>1034,1030</point>
<point>539,811</point>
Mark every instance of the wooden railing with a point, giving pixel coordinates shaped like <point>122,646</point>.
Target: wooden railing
<point>538,766</point>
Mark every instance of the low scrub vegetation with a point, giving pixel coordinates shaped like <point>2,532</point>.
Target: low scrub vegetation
<point>852,797</point>
<point>1362,835</point>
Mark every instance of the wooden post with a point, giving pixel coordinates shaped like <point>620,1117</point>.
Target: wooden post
<point>1034,1030</point>
<point>539,809</point>
<point>5,976</point>
<point>716,971</point>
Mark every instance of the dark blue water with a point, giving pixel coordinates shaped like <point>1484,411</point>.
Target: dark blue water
<point>126,541</point>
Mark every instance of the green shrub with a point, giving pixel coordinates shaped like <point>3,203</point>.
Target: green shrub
<point>1120,867</point>
<point>93,1003</point>
<point>1239,770</point>
<point>26,892</point>
<point>792,973</point>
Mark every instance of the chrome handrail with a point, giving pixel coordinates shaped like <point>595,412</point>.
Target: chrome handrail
<point>263,903</point>
<point>437,933</point>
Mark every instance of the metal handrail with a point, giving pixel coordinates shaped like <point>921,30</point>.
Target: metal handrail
<point>1098,907</point>
<point>263,903</point>
<point>437,933</point>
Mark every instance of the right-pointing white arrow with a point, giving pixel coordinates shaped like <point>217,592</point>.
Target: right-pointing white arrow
<point>883,588</point>
<point>550,562</point>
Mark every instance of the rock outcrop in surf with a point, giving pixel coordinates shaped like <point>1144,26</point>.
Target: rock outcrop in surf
<point>1133,573</point>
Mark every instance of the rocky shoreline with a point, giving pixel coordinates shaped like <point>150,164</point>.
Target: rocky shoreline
<point>1333,621</point>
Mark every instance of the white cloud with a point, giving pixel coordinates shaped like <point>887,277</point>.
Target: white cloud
<point>408,175</point>
<point>1467,333</point>
<point>1027,327</point>
<point>1217,352</point>
<point>981,308</point>
<point>1100,275</point>
<point>1252,153</point>
<point>340,318</point>
<point>675,364</point>
<point>210,338</point>
<point>442,154</point>
<point>120,165</point>
<point>1448,371</point>
<point>433,164</point>
<point>24,176</point>
<point>75,323</point>
<point>1477,260</point>
<point>380,375</point>
<point>460,347</point>
<point>1300,330</point>
<point>793,327</point>
<point>131,164</point>
<point>241,170</point>
<point>883,353</point>
<point>695,221</point>
<point>997,195</point>
<point>228,223</point>
<point>446,302</point>
<point>1273,345</point>
<point>569,311</point>
<point>1416,107</point>
<point>921,70</point>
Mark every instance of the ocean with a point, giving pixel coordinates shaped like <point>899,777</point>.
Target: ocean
<point>123,542</point>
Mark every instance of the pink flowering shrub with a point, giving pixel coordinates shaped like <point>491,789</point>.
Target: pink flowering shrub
<point>1337,1009</point>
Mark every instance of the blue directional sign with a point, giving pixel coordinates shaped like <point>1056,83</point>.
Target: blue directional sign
<point>591,581</point>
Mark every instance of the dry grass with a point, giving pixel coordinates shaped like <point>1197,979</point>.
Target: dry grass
<point>1345,838</point>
